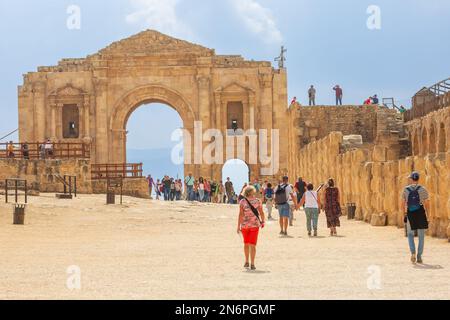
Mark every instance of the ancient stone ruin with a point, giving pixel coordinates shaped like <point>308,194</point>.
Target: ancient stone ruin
<point>82,106</point>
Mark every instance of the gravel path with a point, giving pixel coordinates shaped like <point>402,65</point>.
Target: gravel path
<point>155,250</point>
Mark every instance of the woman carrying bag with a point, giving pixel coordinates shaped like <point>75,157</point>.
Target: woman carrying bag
<point>251,219</point>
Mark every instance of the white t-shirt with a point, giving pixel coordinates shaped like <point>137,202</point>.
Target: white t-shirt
<point>311,200</point>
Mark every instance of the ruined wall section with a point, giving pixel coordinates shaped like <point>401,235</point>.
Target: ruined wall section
<point>373,175</point>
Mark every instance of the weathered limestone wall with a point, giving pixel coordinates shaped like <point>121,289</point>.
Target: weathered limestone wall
<point>368,178</point>
<point>151,67</point>
<point>132,187</point>
<point>40,174</point>
<point>314,123</point>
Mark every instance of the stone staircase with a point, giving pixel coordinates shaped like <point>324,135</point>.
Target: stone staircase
<point>391,130</point>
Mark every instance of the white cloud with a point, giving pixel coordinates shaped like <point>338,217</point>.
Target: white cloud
<point>160,15</point>
<point>259,20</point>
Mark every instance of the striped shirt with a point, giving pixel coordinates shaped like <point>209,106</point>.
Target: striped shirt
<point>423,193</point>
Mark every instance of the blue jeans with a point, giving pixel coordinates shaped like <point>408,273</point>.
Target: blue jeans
<point>312,218</point>
<point>339,101</point>
<point>412,244</point>
<point>190,193</point>
<point>166,194</point>
<point>201,195</point>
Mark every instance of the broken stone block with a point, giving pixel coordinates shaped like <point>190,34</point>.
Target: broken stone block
<point>379,220</point>
<point>352,141</point>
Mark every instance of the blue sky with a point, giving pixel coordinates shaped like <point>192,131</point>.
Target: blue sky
<point>328,41</point>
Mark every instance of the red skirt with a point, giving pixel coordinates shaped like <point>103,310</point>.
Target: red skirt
<point>250,236</point>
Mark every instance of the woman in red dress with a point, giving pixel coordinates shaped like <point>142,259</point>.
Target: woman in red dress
<point>251,219</point>
<point>333,209</point>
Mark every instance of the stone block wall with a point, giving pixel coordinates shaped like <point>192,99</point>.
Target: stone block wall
<point>367,177</point>
<point>40,174</point>
<point>314,123</point>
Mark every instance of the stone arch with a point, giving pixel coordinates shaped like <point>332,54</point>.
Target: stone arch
<point>424,141</point>
<point>133,100</point>
<point>442,144</point>
<point>432,140</point>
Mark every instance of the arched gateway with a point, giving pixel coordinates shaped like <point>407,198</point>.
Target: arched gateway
<point>89,100</point>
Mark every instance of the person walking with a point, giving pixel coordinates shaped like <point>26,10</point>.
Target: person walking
<point>333,209</point>
<point>189,184</point>
<point>251,219</point>
<point>207,191</point>
<point>150,183</point>
<point>416,206</point>
<point>229,189</point>
<point>221,192</point>
<point>167,183</point>
<point>312,96</point>
<point>178,189</point>
<point>292,207</point>
<point>284,192</point>
<point>172,189</point>
<point>339,94</point>
<point>201,190</point>
<point>300,188</point>
<point>312,205</point>
<point>268,197</point>
<point>158,189</point>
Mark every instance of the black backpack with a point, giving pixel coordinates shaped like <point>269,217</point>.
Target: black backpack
<point>414,203</point>
<point>280,195</point>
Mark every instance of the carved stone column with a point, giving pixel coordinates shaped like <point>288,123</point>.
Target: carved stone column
<point>39,110</point>
<point>53,108</point>
<point>86,118</point>
<point>102,151</point>
<point>265,110</point>
<point>203,82</point>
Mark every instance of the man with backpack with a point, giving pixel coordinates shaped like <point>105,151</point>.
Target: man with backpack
<point>283,193</point>
<point>416,208</point>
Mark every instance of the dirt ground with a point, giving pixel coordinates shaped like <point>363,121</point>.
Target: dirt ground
<point>153,250</point>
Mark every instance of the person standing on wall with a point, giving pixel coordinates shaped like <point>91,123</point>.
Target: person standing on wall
<point>416,206</point>
<point>339,95</point>
<point>284,192</point>
<point>312,96</point>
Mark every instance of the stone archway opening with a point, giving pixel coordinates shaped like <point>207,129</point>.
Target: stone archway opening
<point>150,132</point>
<point>238,171</point>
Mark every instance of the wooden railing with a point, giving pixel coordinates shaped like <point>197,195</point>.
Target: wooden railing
<point>124,170</point>
<point>440,101</point>
<point>41,150</point>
